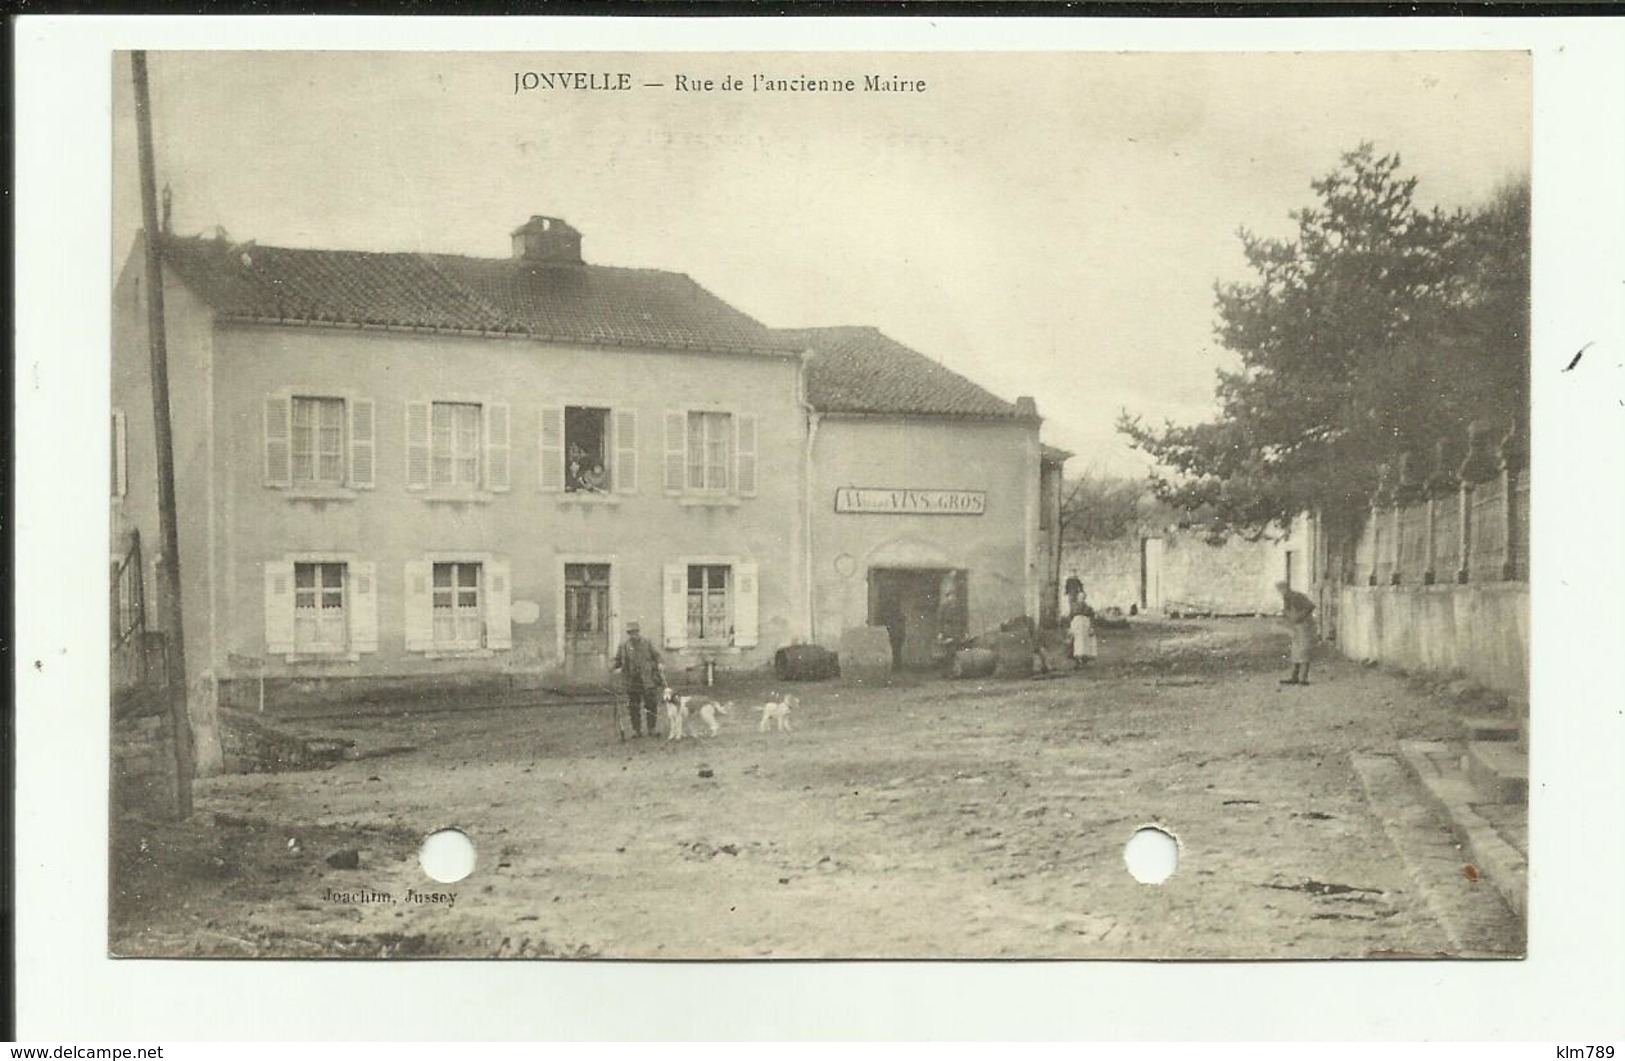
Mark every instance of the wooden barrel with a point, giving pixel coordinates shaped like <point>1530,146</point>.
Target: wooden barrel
<point>805,663</point>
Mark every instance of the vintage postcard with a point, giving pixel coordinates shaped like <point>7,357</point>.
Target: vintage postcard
<point>729,493</point>
<point>756,504</point>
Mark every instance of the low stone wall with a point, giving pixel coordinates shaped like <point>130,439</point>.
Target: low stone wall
<point>1479,630</point>
<point>144,781</point>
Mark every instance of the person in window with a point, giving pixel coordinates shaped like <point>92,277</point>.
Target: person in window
<point>1297,612</point>
<point>640,669</point>
<point>576,468</point>
<point>1082,645</point>
<point>593,479</point>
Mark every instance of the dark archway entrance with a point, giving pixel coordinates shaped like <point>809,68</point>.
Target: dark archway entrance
<point>919,607</point>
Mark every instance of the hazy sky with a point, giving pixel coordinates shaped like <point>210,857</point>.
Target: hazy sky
<point>1047,224</point>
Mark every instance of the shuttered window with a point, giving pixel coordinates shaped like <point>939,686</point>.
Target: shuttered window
<point>708,605</point>
<point>710,451</point>
<point>456,604</point>
<point>319,441</point>
<point>320,622</point>
<point>454,444</point>
<point>458,446</point>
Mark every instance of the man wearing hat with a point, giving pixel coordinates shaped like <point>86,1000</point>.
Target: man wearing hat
<point>1297,613</point>
<point>639,665</point>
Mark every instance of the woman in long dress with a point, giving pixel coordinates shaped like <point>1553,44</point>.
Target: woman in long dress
<point>1081,633</point>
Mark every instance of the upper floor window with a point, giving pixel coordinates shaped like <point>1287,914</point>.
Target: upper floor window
<point>589,449</point>
<point>457,445</point>
<point>710,452</point>
<point>317,440</point>
<point>455,442</point>
<point>586,450</point>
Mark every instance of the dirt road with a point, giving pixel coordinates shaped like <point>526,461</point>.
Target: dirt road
<point>938,819</point>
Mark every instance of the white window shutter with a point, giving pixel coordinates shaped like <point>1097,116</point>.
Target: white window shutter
<point>745,455</point>
<point>626,451</point>
<point>676,451</point>
<point>121,454</point>
<point>674,606</point>
<point>278,607</point>
<point>417,445</point>
<point>363,604</point>
<point>498,592</point>
<point>419,598</point>
<point>363,447</point>
<point>551,441</point>
<point>746,609</point>
<point>496,446</point>
<point>278,440</point>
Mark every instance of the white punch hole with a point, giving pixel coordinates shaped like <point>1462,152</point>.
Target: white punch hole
<point>447,856</point>
<point>1152,855</point>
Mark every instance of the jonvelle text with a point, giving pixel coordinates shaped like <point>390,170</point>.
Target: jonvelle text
<point>612,81</point>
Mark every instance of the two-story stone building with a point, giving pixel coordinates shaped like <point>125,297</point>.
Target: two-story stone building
<point>396,470</point>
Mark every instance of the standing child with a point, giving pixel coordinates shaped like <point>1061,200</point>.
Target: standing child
<point>1082,645</point>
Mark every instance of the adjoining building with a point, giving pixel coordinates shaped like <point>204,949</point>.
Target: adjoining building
<point>402,471</point>
<point>929,516</point>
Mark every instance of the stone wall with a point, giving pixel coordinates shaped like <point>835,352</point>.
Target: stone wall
<point>1479,630</point>
<point>1437,578</point>
<point>1236,577</point>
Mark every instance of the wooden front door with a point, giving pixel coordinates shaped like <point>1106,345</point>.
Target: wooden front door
<point>586,618</point>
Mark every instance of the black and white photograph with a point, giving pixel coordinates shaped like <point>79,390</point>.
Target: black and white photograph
<point>842,505</point>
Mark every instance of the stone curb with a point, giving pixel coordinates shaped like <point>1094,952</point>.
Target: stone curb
<point>1498,860</point>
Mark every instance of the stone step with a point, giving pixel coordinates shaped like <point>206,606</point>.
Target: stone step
<point>1438,766</point>
<point>1491,727</point>
<point>1499,771</point>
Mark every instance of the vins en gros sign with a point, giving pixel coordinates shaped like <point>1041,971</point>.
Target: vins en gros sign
<point>885,501</point>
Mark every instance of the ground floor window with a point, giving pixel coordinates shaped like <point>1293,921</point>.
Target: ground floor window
<point>709,602</point>
<point>456,607</point>
<point>320,623</point>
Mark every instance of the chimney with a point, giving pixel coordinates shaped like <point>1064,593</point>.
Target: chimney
<point>547,241</point>
<point>1026,407</point>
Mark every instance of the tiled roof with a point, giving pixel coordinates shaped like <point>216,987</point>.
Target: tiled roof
<point>860,370</point>
<point>567,303</point>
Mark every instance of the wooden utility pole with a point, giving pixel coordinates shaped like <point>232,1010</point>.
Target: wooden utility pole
<point>169,588</point>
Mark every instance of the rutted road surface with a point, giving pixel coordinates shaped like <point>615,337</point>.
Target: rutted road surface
<point>939,819</point>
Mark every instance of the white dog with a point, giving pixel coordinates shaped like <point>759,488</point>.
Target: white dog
<point>679,708</point>
<point>778,711</point>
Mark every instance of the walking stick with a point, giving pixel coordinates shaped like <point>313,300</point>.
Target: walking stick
<point>615,712</point>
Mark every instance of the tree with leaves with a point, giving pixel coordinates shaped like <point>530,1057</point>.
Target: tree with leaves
<point>1380,329</point>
